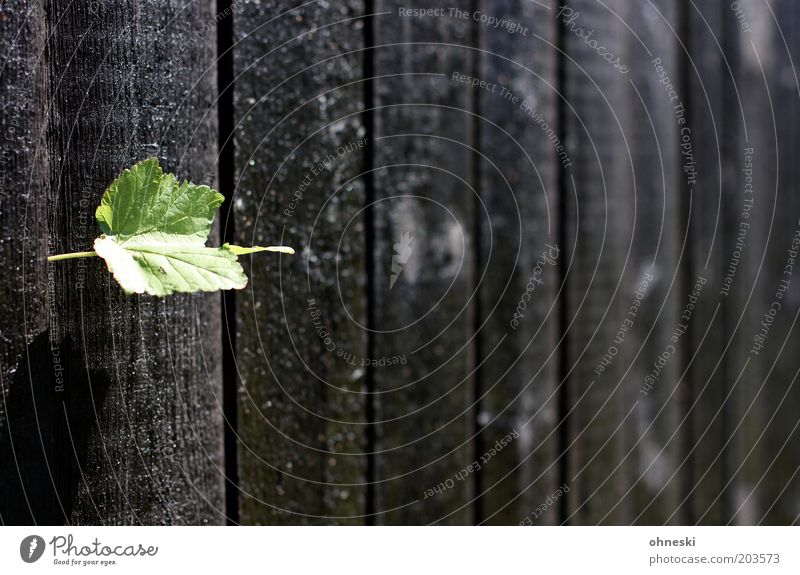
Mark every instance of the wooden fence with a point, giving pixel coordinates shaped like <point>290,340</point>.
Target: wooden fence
<point>544,267</point>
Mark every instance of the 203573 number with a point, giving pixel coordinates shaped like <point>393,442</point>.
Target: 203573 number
<point>751,558</point>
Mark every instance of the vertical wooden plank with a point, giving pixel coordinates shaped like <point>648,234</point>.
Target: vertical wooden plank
<point>652,324</point>
<point>25,357</point>
<point>708,414</point>
<point>599,218</point>
<point>767,307</point>
<point>746,218</point>
<point>737,479</point>
<point>142,375</point>
<point>778,485</point>
<point>424,212</point>
<point>520,253</point>
<point>300,341</point>
<point>741,251</point>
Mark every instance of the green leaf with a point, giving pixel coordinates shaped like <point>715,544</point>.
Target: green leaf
<point>154,234</point>
<point>164,268</point>
<point>143,199</point>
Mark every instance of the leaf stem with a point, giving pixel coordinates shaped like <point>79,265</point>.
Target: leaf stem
<point>72,256</point>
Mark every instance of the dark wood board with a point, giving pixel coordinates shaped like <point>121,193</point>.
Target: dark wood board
<point>300,341</point>
<point>135,435</point>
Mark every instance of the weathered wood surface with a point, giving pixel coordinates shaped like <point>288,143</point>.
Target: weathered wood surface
<point>741,467</point>
<point>654,290</point>
<point>23,221</point>
<point>425,198</point>
<point>367,377</point>
<point>599,220</point>
<point>708,414</point>
<point>520,256</point>
<point>134,435</point>
<point>299,145</point>
<point>777,481</point>
<point>762,460</point>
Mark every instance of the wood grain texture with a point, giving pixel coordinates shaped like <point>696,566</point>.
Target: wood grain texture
<point>655,297</point>
<point>425,190</point>
<point>518,382</point>
<point>25,356</point>
<point>135,435</point>
<point>419,360</point>
<point>741,469</point>
<point>777,488</point>
<point>599,219</point>
<point>300,336</point>
<point>745,230</point>
<point>762,462</point>
<point>709,414</point>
